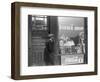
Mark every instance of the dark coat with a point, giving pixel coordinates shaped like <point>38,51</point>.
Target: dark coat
<point>49,52</point>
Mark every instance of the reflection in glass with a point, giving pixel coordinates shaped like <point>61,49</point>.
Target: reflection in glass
<point>39,22</point>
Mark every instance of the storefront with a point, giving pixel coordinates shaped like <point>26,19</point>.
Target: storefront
<point>69,36</point>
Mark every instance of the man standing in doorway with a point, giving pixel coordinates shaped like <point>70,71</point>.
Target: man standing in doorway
<point>49,50</point>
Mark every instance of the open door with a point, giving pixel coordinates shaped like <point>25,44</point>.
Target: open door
<point>37,33</point>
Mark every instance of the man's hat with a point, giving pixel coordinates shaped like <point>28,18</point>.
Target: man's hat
<point>51,35</point>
